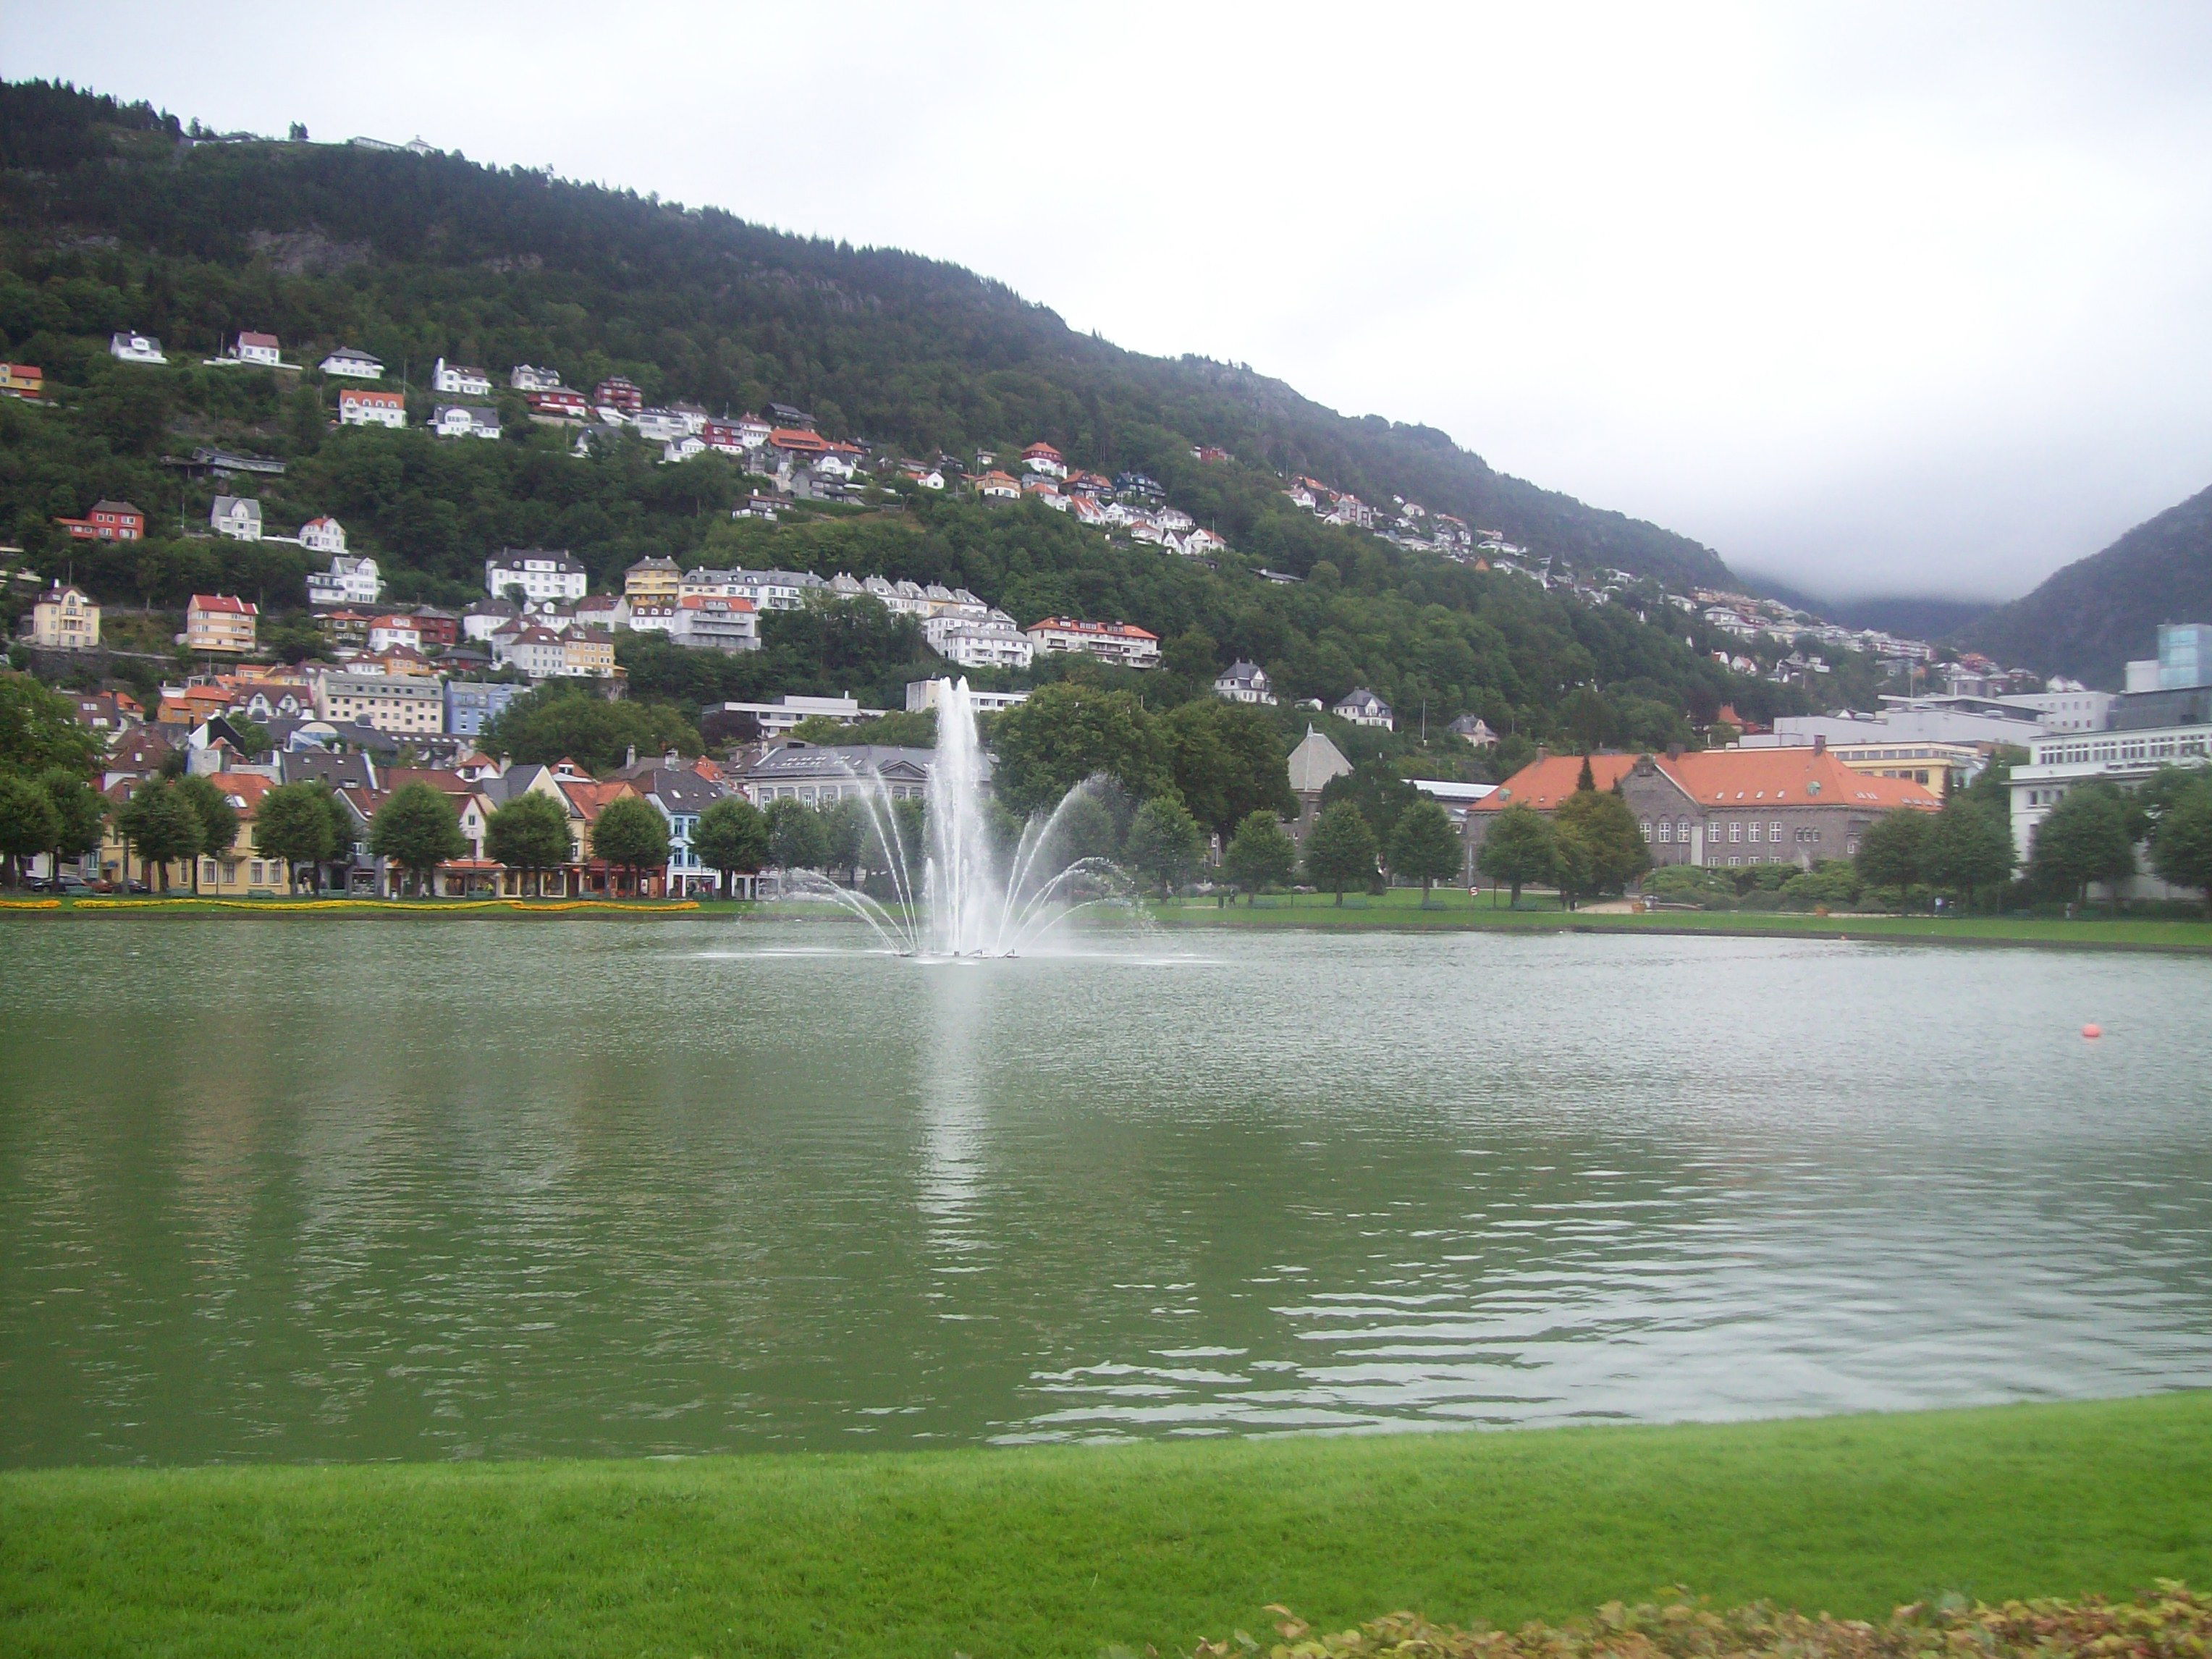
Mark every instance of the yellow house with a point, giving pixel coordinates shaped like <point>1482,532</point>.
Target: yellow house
<point>1944,767</point>
<point>653,581</point>
<point>64,619</point>
<point>588,652</point>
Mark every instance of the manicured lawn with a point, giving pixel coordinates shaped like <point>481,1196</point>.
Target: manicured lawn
<point>1401,907</point>
<point>1061,1550</point>
<point>184,904</point>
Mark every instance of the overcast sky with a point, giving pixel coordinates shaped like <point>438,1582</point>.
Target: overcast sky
<point>1872,300</point>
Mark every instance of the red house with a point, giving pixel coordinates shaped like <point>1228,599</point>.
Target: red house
<point>615,392</point>
<point>108,522</point>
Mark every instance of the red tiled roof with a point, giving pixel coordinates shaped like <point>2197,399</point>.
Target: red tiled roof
<point>243,789</point>
<point>1719,778</point>
<point>223,602</point>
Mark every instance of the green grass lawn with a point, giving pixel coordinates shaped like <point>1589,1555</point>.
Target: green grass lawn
<point>1401,907</point>
<point>1061,1550</point>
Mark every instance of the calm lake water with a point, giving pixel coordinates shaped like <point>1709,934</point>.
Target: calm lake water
<point>378,1189</point>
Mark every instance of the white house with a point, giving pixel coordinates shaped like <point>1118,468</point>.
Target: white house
<point>990,643</point>
<point>1362,707</point>
<point>359,406</point>
<point>649,616</point>
<point>136,348</point>
<point>1202,542</point>
<point>684,448</point>
<point>1041,456</point>
<point>1245,682</point>
<point>261,349</point>
<point>1114,642</point>
<point>528,377</point>
<point>356,364</point>
<point>660,426</point>
<point>537,651</point>
<point>464,421</point>
<point>322,535</point>
<point>390,633</point>
<point>460,380</point>
<point>348,582</point>
<point>539,573</point>
<point>238,517</point>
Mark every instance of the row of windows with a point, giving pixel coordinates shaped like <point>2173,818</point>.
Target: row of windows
<point>1736,830</point>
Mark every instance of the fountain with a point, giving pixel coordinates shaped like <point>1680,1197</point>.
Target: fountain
<point>961,892</point>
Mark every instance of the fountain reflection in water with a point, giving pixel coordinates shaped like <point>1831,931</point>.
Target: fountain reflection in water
<point>961,892</point>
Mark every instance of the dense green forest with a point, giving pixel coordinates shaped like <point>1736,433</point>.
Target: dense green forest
<point>117,218</point>
<point>2089,619</point>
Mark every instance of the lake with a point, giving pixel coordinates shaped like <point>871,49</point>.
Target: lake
<point>374,1188</point>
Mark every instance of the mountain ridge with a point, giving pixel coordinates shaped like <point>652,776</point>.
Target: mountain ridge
<point>2090,619</point>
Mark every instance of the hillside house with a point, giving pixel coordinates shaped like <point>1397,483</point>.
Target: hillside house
<point>558,406</point>
<point>460,380</point>
<point>348,582</point>
<point>621,398</point>
<point>108,522</point>
<point>464,421</point>
<point>528,377</point>
<point>238,517</point>
<point>218,622</point>
<point>1245,682</point>
<point>1115,642</point>
<point>354,365</point>
<point>360,406</point>
<point>64,619</point>
<point>1041,456</point>
<point>127,347</point>
<point>25,381</point>
<point>322,535</point>
<point>538,573</point>
<point>1362,707</point>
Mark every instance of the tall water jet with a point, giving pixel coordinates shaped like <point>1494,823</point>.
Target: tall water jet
<point>970,897</point>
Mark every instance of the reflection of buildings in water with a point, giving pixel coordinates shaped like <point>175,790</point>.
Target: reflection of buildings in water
<point>954,1104</point>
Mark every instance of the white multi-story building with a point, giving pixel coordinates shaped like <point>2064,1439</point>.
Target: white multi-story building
<point>64,619</point>
<point>992,642</point>
<point>132,347</point>
<point>777,718</point>
<point>537,651</point>
<point>2071,707</point>
<point>322,535</point>
<point>539,573</point>
<point>389,702</point>
<point>930,694</point>
<point>259,348</point>
<point>460,380</point>
<point>715,622</point>
<point>768,590</point>
<point>238,517</point>
<point>348,582</point>
<point>1114,642</point>
<point>2057,763</point>
<point>528,377</point>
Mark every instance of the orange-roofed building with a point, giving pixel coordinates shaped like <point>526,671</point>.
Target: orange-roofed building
<point>239,870</point>
<point>1720,808</point>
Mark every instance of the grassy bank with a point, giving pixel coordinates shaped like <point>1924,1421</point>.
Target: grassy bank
<point>184,904</point>
<point>1401,909</point>
<point>1061,1550</point>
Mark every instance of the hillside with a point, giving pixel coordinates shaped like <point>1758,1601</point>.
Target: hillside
<point>115,220</point>
<point>2089,619</point>
<point>414,256</point>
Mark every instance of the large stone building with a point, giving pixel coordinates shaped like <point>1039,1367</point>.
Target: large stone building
<point>1721,808</point>
<point>1312,764</point>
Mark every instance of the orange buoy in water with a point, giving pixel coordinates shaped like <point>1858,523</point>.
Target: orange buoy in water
<point>2092,1031</point>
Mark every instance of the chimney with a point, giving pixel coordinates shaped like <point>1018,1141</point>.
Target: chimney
<point>1673,752</point>
<point>1819,742</point>
<point>632,761</point>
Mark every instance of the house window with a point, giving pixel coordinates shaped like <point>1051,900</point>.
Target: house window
<point>1851,846</point>
<point>1682,832</point>
<point>1645,826</point>
<point>1734,862</point>
<point>1666,831</point>
<point>1735,833</point>
<point>259,875</point>
<point>1754,829</point>
<point>1774,830</point>
<point>207,871</point>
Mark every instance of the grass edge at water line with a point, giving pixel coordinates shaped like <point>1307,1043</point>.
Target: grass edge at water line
<point>1065,1549</point>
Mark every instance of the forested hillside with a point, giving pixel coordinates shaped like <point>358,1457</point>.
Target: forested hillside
<point>2090,619</point>
<point>114,219</point>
